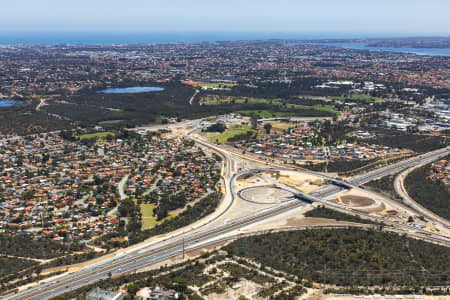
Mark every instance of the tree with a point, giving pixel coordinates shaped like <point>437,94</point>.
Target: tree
<point>268,127</point>
<point>132,289</point>
<point>254,121</point>
<point>218,127</point>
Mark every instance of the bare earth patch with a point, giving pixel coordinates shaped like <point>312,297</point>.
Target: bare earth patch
<point>353,200</point>
<point>304,182</point>
<point>266,195</point>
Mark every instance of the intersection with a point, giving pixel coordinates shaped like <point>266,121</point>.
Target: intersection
<point>232,218</point>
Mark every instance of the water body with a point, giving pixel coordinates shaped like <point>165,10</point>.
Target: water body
<point>105,38</point>
<point>418,51</point>
<point>8,103</point>
<point>131,90</point>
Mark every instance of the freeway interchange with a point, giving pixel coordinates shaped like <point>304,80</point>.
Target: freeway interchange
<point>230,220</point>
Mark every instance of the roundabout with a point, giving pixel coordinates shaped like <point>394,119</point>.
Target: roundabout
<point>276,186</point>
<point>265,195</point>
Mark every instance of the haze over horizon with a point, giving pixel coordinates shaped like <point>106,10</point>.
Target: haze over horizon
<point>401,17</point>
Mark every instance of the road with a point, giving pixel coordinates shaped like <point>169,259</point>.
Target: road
<point>42,102</point>
<point>326,192</point>
<point>201,235</point>
<point>401,190</point>
<point>191,100</point>
<point>354,183</point>
<point>153,186</point>
<point>121,187</point>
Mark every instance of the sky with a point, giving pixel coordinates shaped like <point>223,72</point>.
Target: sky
<point>407,17</point>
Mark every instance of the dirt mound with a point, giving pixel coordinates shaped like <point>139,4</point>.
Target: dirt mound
<point>353,201</point>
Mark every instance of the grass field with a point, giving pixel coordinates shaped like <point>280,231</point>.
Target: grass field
<point>100,135</point>
<point>273,102</point>
<point>324,108</point>
<point>148,220</point>
<point>356,97</point>
<point>281,125</point>
<point>241,100</point>
<point>266,113</point>
<point>216,85</point>
<point>231,132</point>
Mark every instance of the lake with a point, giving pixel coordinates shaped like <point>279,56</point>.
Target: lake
<point>418,51</point>
<point>131,90</point>
<point>8,103</point>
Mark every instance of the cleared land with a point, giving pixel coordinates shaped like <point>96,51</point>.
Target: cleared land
<point>364,202</point>
<point>149,220</point>
<point>246,180</point>
<point>99,135</point>
<point>353,200</point>
<point>266,195</point>
<point>306,183</point>
<point>281,125</point>
<point>231,133</point>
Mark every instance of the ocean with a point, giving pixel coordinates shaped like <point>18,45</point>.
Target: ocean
<point>22,38</point>
<point>186,37</point>
<point>141,38</point>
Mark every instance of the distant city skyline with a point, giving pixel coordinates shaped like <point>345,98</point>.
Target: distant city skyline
<point>399,17</point>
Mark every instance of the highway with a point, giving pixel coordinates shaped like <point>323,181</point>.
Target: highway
<point>400,189</point>
<point>202,235</point>
<point>138,259</point>
<point>319,195</point>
